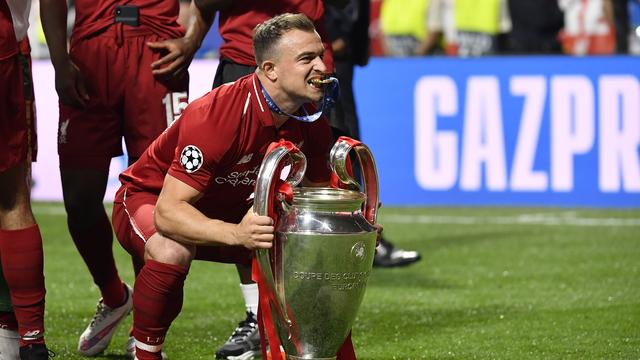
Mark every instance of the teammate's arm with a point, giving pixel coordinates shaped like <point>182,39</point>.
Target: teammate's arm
<point>180,51</point>
<point>69,82</point>
<point>176,218</point>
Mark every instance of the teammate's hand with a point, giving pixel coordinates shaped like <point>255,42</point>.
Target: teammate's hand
<point>70,85</point>
<point>178,56</point>
<point>254,231</point>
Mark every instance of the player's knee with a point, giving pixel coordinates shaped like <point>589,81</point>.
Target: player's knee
<point>7,200</point>
<point>82,209</point>
<point>165,250</point>
<point>14,190</point>
<point>15,209</point>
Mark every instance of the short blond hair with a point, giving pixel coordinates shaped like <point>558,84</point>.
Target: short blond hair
<point>267,34</point>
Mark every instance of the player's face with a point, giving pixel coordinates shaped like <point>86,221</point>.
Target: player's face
<point>300,61</point>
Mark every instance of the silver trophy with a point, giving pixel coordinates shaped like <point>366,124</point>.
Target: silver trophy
<point>317,270</point>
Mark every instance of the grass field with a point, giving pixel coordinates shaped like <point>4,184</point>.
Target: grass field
<point>501,283</point>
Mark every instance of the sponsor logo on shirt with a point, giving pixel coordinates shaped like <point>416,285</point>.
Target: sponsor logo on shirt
<point>240,178</point>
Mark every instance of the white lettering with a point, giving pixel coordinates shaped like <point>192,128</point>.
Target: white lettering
<point>235,178</point>
<point>523,177</point>
<point>483,137</point>
<point>174,104</point>
<point>619,115</point>
<point>436,152</point>
<point>572,126</point>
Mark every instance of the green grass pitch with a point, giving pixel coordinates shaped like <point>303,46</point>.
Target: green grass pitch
<point>494,283</point>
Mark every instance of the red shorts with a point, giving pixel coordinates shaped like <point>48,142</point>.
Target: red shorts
<point>18,140</point>
<point>126,100</point>
<point>132,220</point>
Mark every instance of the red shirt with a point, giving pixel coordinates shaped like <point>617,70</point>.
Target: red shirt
<point>8,43</point>
<point>217,146</point>
<point>237,24</point>
<point>156,16</point>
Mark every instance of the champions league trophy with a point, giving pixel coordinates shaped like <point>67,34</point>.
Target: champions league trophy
<point>314,277</point>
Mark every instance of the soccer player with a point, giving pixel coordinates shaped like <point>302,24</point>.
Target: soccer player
<point>20,240</point>
<point>124,75</point>
<point>189,195</point>
<point>348,32</point>
<point>237,20</point>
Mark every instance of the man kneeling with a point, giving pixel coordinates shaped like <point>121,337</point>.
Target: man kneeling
<point>189,196</point>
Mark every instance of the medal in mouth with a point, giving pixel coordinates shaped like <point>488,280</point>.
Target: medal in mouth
<point>319,82</point>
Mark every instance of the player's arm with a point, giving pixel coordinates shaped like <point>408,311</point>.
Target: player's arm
<point>180,51</point>
<point>176,218</point>
<point>69,82</point>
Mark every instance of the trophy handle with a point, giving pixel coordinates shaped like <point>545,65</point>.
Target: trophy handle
<point>279,155</point>
<point>339,164</point>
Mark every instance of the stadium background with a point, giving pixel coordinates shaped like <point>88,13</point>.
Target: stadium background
<point>560,131</point>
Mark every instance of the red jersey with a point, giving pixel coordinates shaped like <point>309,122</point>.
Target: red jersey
<point>159,17</point>
<point>217,146</point>
<point>237,24</point>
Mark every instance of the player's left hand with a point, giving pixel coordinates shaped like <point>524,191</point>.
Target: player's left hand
<point>178,56</point>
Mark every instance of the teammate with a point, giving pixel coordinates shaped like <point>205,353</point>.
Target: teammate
<point>348,32</point>
<point>211,157</point>
<point>20,240</point>
<point>123,76</point>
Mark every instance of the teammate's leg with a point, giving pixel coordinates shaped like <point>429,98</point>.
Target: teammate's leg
<point>20,240</point>
<point>87,140</point>
<point>245,339</point>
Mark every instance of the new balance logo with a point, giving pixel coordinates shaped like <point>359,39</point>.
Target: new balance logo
<point>245,159</point>
<point>32,335</point>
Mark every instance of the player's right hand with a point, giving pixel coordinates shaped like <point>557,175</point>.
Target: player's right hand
<point>70,85</point>
<point>255,231</point>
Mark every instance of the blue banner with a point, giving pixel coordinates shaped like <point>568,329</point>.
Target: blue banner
<point>530,131</point>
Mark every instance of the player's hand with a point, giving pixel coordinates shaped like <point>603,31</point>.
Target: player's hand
<point>178,56</point>
<point>70,85</point>
<point>255,231</point>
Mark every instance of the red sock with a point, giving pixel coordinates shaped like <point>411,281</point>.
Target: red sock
<point>95,246</point>
<point>22,265</point>
<point>157,301</point>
